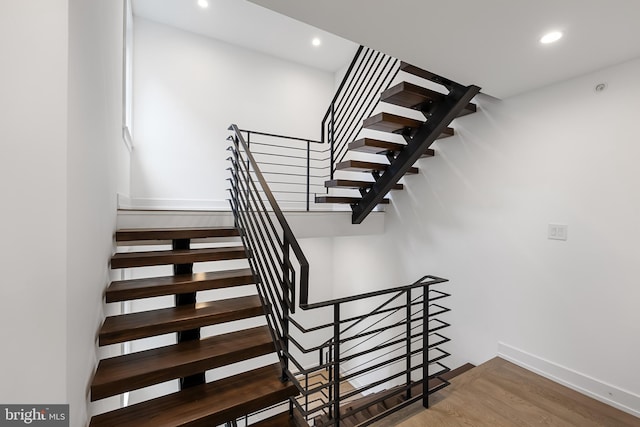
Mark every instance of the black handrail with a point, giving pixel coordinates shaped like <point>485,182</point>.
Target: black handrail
<point>289,239</point>
<point>282,275</point>
<point>369,73</point>
<point>342,83</point>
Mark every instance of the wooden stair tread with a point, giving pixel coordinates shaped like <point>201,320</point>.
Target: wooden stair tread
<point>417,97</point>
<point>280,420</point>
<point>377,146</point>
<point>344,199</point>
<point>392,123</point>
<point>136,370</point>
<point>205,405</point>
<point>180,256</point>
<point>133,326</point>
<point>388,122</point>
<point>138,234</point>
<point>348,183</point>
<point>157,286</point>
<point>362,166</point>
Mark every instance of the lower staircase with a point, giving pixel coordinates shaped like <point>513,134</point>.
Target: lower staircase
<point>205,397</point>
<point>365,410</point>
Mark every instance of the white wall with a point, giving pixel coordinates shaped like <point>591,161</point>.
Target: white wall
<point>188,89</point>
<point>96,160</point>
<point>478,212</point>
<point>33,119</point>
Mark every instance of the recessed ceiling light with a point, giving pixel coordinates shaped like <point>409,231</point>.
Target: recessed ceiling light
<point>316,41</point>
<point>551,37</point>
<point>203,3</point>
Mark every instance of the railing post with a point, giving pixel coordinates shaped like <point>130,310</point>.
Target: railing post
<point>332,138</point>
<point>425,346</point>
<point>330,363</point>
<point>336,364</point>
<point>408,344</point>
<point>285,307</point>
<point>248,146</point>
<point>234,178</point>
<point>308,172</point>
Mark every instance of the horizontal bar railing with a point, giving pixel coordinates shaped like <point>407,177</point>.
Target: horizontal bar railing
<point>385,339</point>
<point>294,168</point>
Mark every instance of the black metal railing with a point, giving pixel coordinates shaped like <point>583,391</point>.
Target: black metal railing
<point>369,73</point>
<point>385,339</point>
<point>388,340</point>
<point>297,168</point>
<point>294,168</point>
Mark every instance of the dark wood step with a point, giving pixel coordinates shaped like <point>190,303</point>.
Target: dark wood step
<point>181,256</point>
<point>361,166</point>
<point>377,146</point>
<point>133,326</point>
<point>343,200</point>
<point>387,122</point>
<point>280,420</point>
<point>133,371</point>
<point>392,123</point>
<point>139,234</point>
<point>347,183</point>
<point>205,405</point>
<point>417,97</point>
<point>157,286</point>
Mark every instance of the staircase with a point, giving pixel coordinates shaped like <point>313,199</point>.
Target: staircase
<point>368,409</point>
<point>395,159</point>
<point>199,401</point>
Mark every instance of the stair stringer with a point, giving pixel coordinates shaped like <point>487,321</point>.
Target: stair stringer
<point>418,142</point>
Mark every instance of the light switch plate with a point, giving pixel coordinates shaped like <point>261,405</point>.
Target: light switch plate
<point>557,232</point>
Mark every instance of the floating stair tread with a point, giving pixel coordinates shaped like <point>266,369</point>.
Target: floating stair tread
<point>392,123</point>
<point>136,370</point>
<point>133,326</point>
<point>139,234</point>
<point>347,183</point>
<point>280,420</point>
<point>205,405</point>
<point>417,97</point>
<point>157,286</point>
<point>377,146</point>
<point>361,166</point>
<point>388,122</point>
<point>343,199</point>
<point>180,256</point>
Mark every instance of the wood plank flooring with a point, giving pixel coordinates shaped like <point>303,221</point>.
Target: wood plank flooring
<point>501,394</point>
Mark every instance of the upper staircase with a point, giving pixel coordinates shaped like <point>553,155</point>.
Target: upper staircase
<point>391,160</point>
<point>202,399</point>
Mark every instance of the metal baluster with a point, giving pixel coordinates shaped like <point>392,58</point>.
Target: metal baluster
<point>308,172</point>
<point>332,139</point>
<point>408,331</point>
<point>336,369</point>
<point>425,346</point>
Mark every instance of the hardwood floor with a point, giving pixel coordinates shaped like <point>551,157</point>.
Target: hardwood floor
<point>501,394</point>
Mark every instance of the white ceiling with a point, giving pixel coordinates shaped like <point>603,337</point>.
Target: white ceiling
<point>248,25</point>
<point>491,43</point>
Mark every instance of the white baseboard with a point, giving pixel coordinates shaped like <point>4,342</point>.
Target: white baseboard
<point>611,395</point>
<point>124,202</point>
